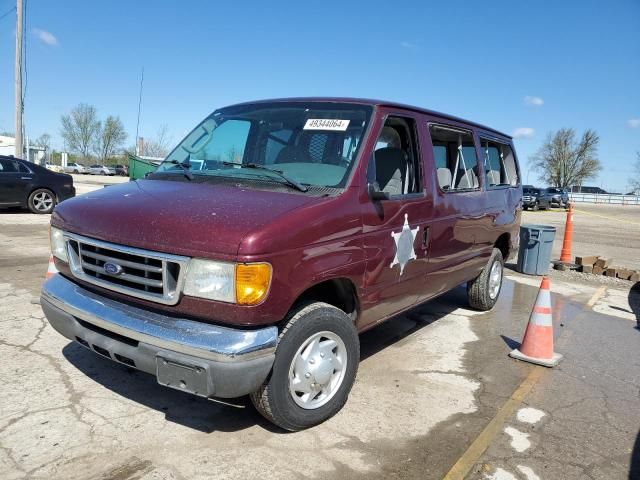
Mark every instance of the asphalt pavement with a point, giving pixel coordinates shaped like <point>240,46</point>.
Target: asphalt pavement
<point>436,396</point>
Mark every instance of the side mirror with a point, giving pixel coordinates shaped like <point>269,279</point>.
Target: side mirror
<point>375,193</point>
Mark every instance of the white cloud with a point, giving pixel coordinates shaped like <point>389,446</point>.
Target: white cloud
<point>405,44</point>
<point>633,122</point>
<point>523,132</point>
<point>47,37</point>
<point>535,101</point>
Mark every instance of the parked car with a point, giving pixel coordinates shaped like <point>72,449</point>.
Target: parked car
<point>533,198</point>
<point>101,170</point>
<point>254,273</point>
<point>27,185</point>
<point>121,170</point>
<point>53,168</point>
<point>76,168</point>
<point>557,196</point>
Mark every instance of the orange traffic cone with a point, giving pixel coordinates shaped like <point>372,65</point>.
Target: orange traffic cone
<point>565,253</point>
<point>537,344</point>
<point>52,270</point>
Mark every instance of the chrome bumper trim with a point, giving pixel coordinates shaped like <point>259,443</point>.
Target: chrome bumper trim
<point>203,340</point>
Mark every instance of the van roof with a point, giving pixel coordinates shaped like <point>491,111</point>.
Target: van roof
<point>382,103</point>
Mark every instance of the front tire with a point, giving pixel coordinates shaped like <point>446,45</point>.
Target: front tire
<point>484,290</point>
<point>316,364</point>
<point>41,201</point>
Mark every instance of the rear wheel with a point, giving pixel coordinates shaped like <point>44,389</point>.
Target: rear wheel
<point>42,201</point>
<point>484,290</point>
<point>315,367</point>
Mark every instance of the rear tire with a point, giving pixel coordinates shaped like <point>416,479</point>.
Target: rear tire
<point>484,290</point>
<point>41,201</point>
<point>316,364</point>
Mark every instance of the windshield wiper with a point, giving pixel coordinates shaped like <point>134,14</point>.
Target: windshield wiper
<point>185,168</point>
<point>289,181</point>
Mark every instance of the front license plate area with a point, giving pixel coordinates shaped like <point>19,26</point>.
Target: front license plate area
<point>184,375</point>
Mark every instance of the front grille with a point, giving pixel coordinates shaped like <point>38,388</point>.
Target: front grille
<point>139,273</point>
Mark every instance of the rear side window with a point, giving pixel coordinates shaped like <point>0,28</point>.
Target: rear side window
<point>499,164</point>
<point>456,162</point>
<point>8,166</point>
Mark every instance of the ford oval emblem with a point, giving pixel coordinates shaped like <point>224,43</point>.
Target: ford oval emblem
<point>112,268</point>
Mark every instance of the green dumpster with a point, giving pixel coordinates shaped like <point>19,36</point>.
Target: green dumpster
<point>139,166</point>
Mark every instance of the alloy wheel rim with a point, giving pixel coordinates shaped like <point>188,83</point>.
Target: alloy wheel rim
<point>42,201</point>
<point>317,370</point>
<point>495,279</point>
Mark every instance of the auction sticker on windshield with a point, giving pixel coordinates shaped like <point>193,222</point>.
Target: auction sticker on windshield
<point>326,124</point>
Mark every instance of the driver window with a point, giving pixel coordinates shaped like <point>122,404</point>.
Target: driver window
<point>227,142</point>
<point>394,165</point>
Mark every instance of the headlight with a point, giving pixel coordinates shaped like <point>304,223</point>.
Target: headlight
<point>245,284</point>
<point>58,245</point>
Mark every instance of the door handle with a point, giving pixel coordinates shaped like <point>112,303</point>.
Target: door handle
<point>25,178</point>
<point>425,237</point>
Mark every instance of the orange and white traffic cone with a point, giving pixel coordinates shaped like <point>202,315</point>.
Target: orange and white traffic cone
<point>52,270</point>
<point>565,253</point>
<point>537,344</point>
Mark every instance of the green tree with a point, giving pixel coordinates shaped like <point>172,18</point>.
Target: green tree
<point>80,129</point>
<point>110,138</point>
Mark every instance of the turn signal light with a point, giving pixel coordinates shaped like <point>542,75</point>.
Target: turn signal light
<point>252,282</point>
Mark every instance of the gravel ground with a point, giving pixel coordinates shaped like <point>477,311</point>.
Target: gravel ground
<point>605,230</point>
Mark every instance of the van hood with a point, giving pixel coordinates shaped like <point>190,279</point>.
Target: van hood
<point>193,219</point>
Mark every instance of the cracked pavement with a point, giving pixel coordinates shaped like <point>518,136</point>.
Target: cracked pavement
<point>429,382</point>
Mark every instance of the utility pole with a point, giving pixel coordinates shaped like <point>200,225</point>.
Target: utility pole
<point>18,78</point>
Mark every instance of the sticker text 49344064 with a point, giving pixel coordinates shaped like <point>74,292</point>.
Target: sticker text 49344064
<point>326,124</point>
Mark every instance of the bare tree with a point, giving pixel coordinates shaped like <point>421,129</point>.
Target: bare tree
<point>158,146</point>
<point>80,129</point>
<point>43,141</point>
<point>634,183</point>
<point>562,161</point>
<point>110,137</point>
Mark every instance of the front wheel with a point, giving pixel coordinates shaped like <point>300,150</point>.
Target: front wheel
<point>41,201</point>
<point>316,364</point>
<point>483,291</point>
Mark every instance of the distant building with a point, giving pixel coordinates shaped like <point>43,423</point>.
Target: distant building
<point>7,145</point>
<point>35,154</point>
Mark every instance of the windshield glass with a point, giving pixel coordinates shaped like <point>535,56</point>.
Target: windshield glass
<point>312,143</point>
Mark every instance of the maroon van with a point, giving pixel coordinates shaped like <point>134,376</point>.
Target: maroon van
<point>272,235</point>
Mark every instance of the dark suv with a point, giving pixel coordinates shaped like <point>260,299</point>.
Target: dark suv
<point>557,196</point>
<point>535,198</point>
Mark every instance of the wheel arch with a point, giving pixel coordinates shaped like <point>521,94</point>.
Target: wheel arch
<point>340,292</point>
<point>503,243</point>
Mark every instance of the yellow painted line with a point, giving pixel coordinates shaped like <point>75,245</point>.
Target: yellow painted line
<point>597,295</point>
<point>466,462</point>
<point>623,220</point>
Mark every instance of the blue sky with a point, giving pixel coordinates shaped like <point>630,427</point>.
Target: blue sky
<point>519,67</point>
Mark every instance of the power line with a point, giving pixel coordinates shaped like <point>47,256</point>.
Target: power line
<point>11,10</point>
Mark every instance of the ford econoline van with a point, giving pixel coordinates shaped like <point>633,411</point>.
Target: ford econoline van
<point>274,234</point>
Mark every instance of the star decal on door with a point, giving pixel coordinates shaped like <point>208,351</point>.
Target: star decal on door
<point>404,244</point>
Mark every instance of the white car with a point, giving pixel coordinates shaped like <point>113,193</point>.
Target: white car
<point>53,168</point>
<point>101,170</point>
<point>75,168</point>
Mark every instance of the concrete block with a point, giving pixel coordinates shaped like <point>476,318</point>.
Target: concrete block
<point>611,272</point>
<point>624,274</point>
<point>603,262</point>
<point>586,268</point>
<point>598,270</point>
<point>635,277</point>
<point>591,260</point>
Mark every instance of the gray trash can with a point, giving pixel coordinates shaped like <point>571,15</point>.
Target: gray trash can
<point>536,242</point>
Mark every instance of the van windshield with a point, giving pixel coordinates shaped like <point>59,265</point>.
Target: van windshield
<point>313,144</point>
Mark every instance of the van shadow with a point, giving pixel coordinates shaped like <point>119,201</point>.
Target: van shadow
<point>208,416</point>
<point>634,303</point>
<point>634,470</point>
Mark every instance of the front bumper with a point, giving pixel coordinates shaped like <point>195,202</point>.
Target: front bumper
<point>200,358</point>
